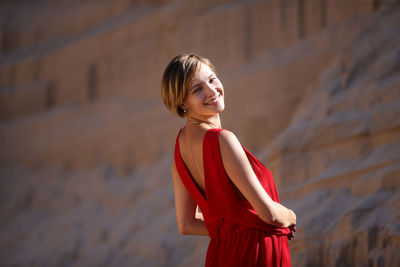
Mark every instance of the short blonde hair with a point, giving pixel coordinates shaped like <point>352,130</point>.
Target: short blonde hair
<point>177,79</point>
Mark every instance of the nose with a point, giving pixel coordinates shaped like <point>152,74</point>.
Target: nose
<point>211,90</point>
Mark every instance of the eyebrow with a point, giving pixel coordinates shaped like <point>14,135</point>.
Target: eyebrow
<point>194,86</point>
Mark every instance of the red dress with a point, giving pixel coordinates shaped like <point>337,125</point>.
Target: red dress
<point>238,236</point>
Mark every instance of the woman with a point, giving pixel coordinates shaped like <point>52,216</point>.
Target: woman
<point>235,192</point>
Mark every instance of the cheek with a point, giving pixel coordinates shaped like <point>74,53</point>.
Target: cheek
<point>196,99</point>
<point>200,96</point>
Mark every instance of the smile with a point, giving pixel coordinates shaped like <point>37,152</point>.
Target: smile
<point>214,100</point>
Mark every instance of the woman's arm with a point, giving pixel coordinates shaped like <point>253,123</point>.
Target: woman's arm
<point>242,175</point>
<point>185,208</point>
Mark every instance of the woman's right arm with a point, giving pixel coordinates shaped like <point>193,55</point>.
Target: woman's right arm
<point>185,208</point>
<point>242,175</point>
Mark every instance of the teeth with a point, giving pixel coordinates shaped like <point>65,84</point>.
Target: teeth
<point>218,95</point>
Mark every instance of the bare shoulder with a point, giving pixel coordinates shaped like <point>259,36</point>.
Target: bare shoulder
<point>228,139</point>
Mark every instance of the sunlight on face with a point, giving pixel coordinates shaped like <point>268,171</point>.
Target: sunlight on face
<point>206,94</point>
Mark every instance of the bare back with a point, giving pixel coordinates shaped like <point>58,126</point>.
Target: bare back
<point>191,150</point>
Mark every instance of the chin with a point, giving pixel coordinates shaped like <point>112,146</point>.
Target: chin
<point>221,107</point>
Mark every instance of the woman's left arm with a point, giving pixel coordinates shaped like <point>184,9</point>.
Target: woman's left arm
<point>185,208</point>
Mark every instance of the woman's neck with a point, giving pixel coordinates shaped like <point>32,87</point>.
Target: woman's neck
<point>214,122</point>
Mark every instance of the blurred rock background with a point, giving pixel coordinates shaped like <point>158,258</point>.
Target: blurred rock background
<point>313,90</point>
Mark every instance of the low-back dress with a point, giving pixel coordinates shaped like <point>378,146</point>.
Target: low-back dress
<point>238,237</point>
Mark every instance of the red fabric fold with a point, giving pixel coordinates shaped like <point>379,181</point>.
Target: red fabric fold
<point>238,236</point>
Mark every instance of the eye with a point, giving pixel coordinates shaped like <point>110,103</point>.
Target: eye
<point>212,79</point>
<point>197,89</point>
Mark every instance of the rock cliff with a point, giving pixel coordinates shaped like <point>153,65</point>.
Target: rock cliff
<point>312,87</point>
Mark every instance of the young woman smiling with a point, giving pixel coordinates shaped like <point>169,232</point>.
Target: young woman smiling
<point>211,170</point>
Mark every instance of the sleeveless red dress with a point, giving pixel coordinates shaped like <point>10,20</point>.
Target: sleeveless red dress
<point>238,236</point>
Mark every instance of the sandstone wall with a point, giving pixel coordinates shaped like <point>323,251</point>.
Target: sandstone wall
<point>338,160</point>
<point>312,89</point>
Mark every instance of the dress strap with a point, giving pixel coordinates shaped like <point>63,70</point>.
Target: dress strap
<point>219,187</point>
<point>186,178</point>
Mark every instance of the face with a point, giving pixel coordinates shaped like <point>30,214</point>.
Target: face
<point>206,95</point>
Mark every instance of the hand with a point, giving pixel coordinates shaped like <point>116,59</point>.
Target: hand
<point>292,230</point>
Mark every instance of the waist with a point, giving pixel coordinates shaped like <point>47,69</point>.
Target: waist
<point>225,228</point>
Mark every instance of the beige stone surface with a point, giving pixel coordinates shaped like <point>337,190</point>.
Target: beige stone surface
<point>312,89</point>
<point>338,160</point>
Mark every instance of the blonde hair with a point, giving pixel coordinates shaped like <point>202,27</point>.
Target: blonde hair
<point>177,79</point>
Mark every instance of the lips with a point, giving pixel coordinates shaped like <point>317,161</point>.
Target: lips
<point>214,100</point>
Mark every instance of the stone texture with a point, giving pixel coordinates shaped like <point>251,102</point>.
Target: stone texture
<point>86,143</point>
<point>338,160</point>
